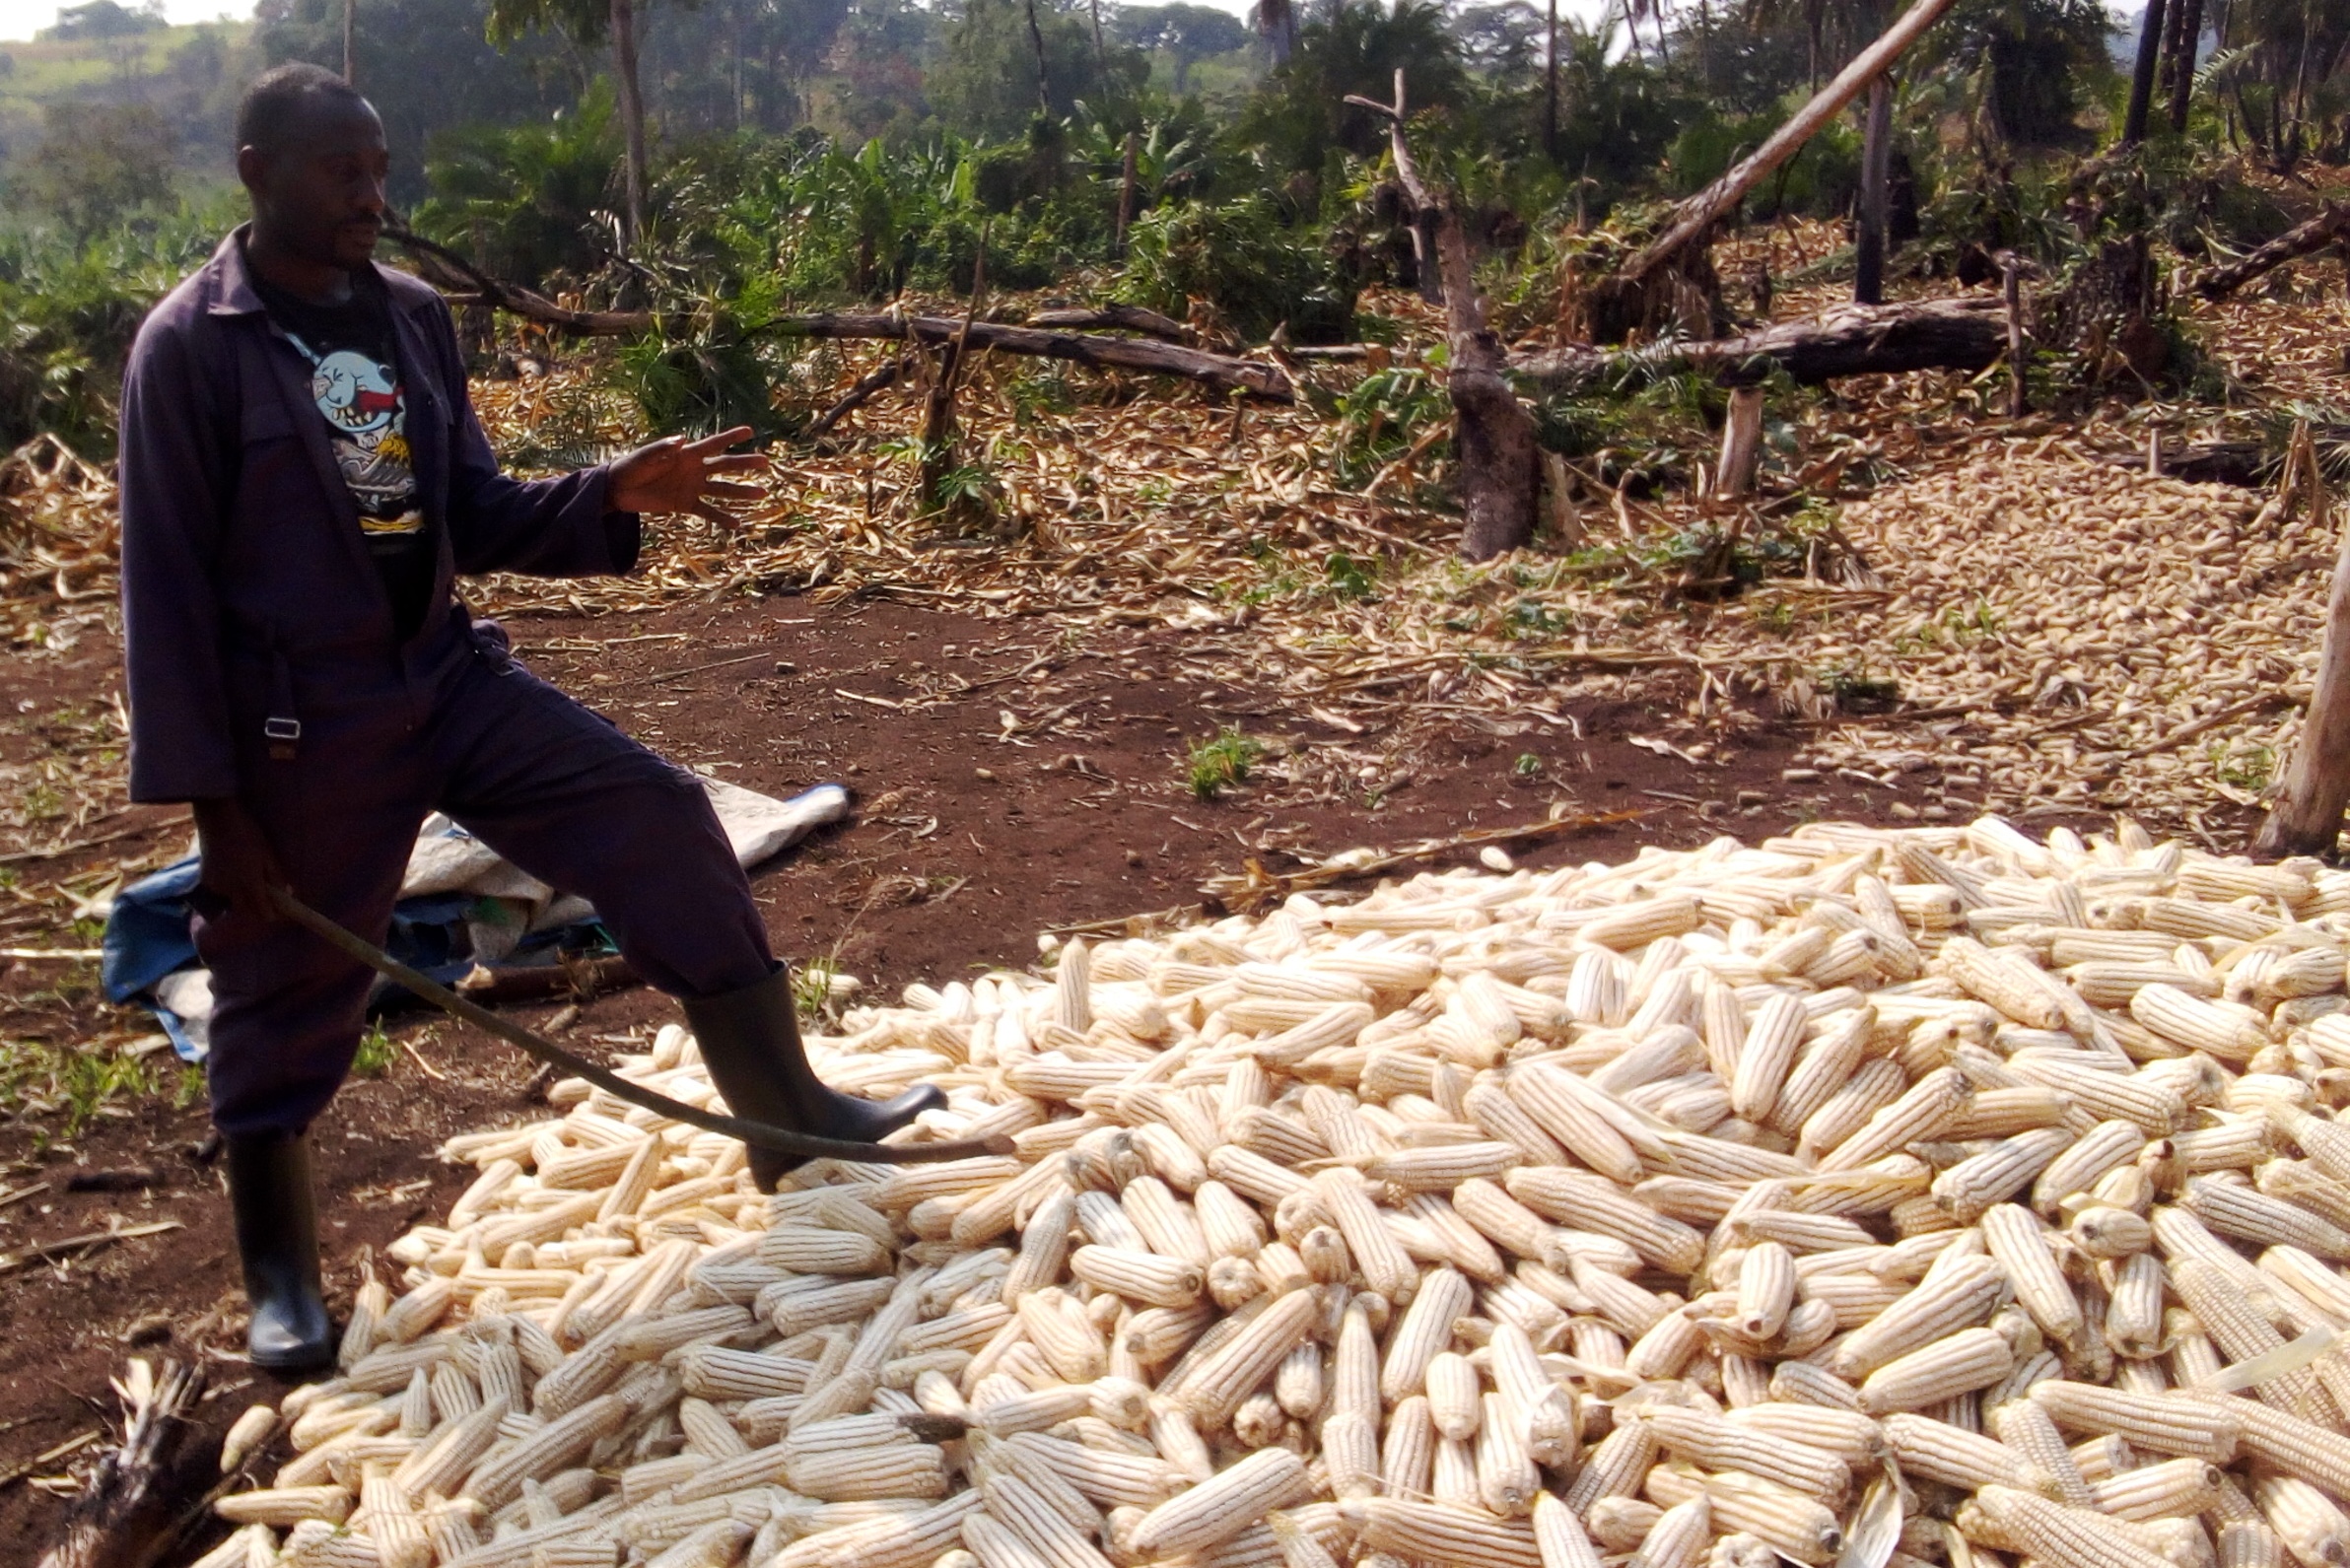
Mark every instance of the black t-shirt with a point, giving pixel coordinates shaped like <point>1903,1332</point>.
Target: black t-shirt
<point>355,378</point>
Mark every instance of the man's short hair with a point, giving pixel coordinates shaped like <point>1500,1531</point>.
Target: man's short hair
<point>275,107</point>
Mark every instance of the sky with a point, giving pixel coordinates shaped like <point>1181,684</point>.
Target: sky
<point>20,19</point>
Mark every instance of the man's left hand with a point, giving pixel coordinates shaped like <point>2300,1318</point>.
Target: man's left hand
<point>680,475</point>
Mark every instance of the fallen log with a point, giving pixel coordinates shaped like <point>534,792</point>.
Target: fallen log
<point>1961,334</point>
<point>1697,216</point>
<point>871,384</point>
<point>448,271</point>
<point>1221,372</point>
<point>2295,242</point>
<point>1252,378</point>
<point>1118,318</point>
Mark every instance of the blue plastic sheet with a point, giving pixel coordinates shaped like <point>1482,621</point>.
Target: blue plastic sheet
<point>147,939</point>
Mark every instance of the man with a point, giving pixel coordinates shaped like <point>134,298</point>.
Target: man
<point>303,476</point>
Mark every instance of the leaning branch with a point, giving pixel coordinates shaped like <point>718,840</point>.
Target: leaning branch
<point>1221,372</point>
<point>1252,377</point>
<point>1964,334</point>
<point>2295,242</point>
<point>513,297</point>
<point>1697,215</point>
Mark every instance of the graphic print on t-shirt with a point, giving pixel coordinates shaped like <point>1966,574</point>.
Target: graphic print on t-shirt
<point>367,416</point>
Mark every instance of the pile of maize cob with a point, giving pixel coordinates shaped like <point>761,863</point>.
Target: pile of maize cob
<point>1865,1198</point>
<point>2020,586</point>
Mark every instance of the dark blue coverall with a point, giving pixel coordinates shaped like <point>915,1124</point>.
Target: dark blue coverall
<point>264,665</point>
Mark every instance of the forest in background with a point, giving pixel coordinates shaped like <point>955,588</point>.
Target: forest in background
<point>803,151</point>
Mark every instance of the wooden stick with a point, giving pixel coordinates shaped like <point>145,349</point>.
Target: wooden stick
<point>1125,192</point>
<point>2307,816</point>
<point>868,386</point>
<point>58,851</point>
<point>28,1256</point>
<point>2019,350</point>
<point>937,424</point>
<point>1701,212</point>
<point>1256,886</point>
<point>1741,445</point>
<point>2204,725</point>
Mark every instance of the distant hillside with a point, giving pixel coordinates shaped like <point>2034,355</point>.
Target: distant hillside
<point>187,74</point>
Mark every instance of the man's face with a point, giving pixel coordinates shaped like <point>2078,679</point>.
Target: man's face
<point>321,195</point>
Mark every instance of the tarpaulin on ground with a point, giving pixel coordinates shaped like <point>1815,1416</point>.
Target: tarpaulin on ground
<point>462,905</point>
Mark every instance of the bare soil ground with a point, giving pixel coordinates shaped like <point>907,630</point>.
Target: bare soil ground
<point>1006,777</point>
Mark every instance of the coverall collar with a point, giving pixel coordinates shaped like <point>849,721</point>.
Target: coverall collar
<point>232,277</point>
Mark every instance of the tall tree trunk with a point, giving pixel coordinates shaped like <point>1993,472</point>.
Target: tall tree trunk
<point>1126,189</point>
<point>2141,94</point>
<point>1501,466</point>
<point>1695,217</point>
<point>2183,81</point>
<point>1876,173</point>
<point>2301,79</point>
<point>1036,42</point>
<point>1550,88</point>
<point>631,109</point>
<point>1101,55</point>
<point>349,74</point>
<point>2168,73</point>
<point>1278,20</point>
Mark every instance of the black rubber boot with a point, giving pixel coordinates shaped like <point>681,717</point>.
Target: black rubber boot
<point>277,1236</point>
<point>750,1041</point>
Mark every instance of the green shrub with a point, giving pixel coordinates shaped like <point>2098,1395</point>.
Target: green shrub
<point>1242,259</point>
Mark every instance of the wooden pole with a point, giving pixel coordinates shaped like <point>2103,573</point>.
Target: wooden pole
<point>2141,94</point>
<point>1876,173</point>
<point>1695,216</point>
<point>1036,42</point>
<point>2018,349</point>
<point>938,425</point>
<point>1550,88</point>
<point>2182,81</point>
<point>1126,188</point>
<point>1741,445</point>
<point>632,108</point>
<point>2306,817</point>
<point>350,76</point>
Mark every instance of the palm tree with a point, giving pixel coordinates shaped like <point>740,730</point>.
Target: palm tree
<point>589,23</point>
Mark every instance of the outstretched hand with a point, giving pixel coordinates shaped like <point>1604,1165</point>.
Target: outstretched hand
<point>674,474</point>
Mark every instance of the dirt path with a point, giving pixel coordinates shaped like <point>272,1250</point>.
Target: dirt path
<point>1008,779</point>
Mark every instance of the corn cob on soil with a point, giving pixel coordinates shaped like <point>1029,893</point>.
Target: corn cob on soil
<point>1523,1262</point>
